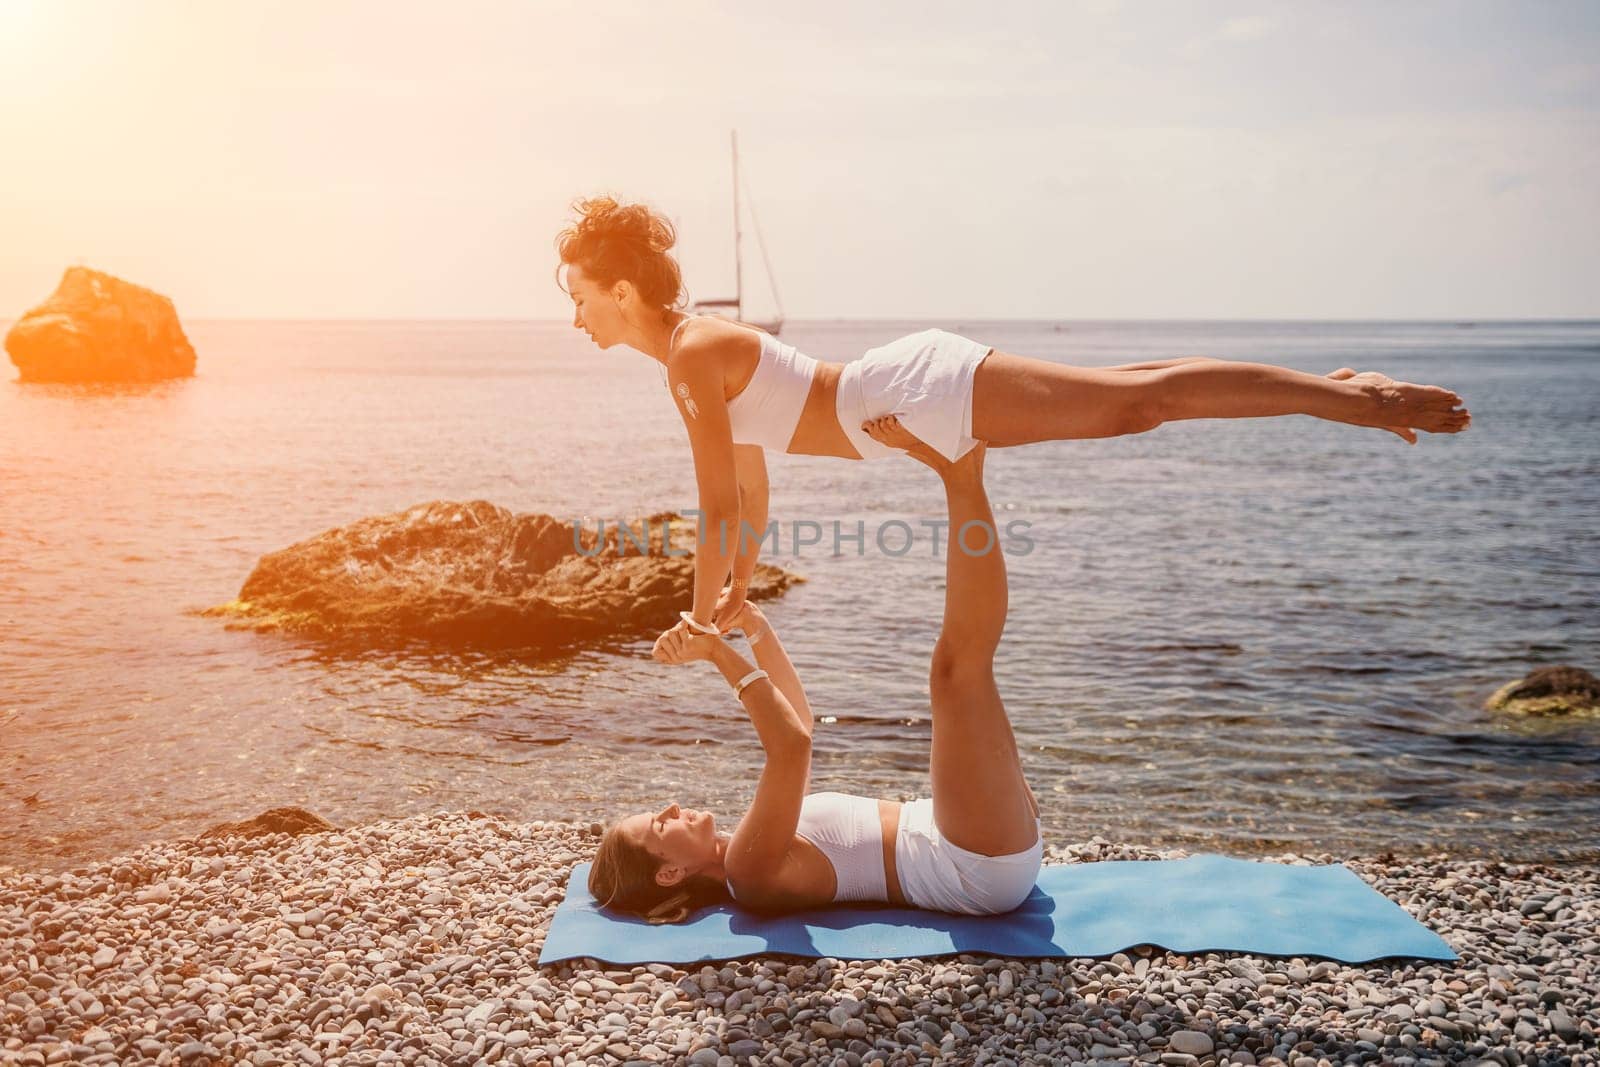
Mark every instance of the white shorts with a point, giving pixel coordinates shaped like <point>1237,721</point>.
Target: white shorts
<point>941,876</point>
<point>924,378</point>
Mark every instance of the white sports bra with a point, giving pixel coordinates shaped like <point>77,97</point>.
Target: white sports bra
<point>846,830</point>
<point>767,411</point>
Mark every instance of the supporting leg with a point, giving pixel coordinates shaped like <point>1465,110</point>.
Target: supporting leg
<point>981,800</point>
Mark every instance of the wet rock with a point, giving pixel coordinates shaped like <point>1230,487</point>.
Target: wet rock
<point>295,821</point>
<point>476,575</point>
<point>99,328</point>
<point>1550,691</point>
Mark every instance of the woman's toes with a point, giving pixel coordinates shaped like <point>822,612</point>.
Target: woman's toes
<point>1445,422</point>
<point>890,431</point>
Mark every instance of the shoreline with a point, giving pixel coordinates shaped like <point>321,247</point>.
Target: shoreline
<point>413,941</point>
<point>50,864</point>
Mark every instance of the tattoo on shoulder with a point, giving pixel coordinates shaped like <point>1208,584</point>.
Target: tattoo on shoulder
<point>688,401</point>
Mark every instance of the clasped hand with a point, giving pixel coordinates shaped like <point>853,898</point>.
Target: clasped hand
<point>684,645</point>
<point>730,608</point>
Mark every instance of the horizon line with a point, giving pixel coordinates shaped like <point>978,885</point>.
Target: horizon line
<point>1265,320</point>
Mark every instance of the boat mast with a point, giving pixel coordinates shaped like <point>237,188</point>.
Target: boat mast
<point>738,265</point>
<point>766,261</point>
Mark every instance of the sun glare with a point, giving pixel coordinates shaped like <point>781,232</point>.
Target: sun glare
<point>17,17</point>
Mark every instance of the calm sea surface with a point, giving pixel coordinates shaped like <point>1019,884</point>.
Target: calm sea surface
<point>1243,636</point>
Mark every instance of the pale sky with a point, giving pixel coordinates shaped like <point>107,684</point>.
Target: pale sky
<point>908,159</point>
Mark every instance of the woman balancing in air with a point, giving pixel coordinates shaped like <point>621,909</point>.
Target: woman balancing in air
<point>973,847</point>
<point>740,390</point>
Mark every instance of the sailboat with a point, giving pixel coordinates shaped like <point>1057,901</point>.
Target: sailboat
<point>736,304</point>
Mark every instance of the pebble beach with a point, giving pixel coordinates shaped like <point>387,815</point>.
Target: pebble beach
<point>414,942</point>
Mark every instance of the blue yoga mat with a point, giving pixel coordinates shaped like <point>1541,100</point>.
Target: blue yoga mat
<point>1202,903</point>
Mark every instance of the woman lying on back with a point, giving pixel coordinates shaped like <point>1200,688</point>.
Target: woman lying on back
<point>973,846</point>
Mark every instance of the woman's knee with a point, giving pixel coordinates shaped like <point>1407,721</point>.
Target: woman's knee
<point>959,662</point>
<point>1147,403</point>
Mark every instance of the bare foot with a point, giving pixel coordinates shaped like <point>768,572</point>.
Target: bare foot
<point>888,430</point>
<point>1405,408</point>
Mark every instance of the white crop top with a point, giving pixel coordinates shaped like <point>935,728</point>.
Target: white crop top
<point>846,830</point>
<point>767,410</point>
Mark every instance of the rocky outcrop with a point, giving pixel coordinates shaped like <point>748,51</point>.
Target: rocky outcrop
<point>1550,691</point>
<point>474,575</point>
<point>294,821</point>
<point>98,328</point>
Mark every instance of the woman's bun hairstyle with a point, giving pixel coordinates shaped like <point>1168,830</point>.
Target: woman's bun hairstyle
<point>613,242</point>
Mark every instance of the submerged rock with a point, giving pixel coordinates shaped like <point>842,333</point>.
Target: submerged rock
<point>475,575</point>
<point>1550,691</point>
<point>99,328</point>
<point>295,821</point>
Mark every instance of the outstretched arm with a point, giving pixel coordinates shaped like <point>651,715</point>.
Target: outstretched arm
<point>781,726</point>
<point>764,836</point>
<point>750,465</point>
<point>773,658</point>
<point>695,377</point>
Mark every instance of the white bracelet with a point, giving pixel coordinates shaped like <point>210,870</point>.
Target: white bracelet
<point>758,635</point>
<point>749,679</point>
<point>697,626</point>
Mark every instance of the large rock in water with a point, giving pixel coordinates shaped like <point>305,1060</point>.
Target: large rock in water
<point>1550,691</point>
<point>474,575</point>
<point>98,328</point>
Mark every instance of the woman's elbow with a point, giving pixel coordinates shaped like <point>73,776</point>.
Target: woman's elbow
<point>719,521</point>
<point>724,507</point>
<point>791,742</point>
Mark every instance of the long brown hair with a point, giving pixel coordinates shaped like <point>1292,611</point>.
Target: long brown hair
<point>613,241</point>
<point>623,876</point>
